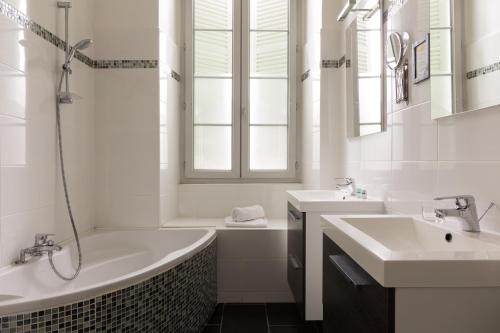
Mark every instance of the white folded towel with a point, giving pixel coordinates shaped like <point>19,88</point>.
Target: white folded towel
<point>241,214</point>
<point>257,223</point>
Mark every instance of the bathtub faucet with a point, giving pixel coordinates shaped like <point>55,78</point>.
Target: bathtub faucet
<point>42,245</point>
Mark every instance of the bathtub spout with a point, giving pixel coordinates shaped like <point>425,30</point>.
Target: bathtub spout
<point>42,245</point>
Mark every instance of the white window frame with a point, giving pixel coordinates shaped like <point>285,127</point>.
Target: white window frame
<point>240,117</point>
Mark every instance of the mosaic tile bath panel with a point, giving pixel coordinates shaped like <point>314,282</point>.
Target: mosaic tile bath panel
<point>179,300</point>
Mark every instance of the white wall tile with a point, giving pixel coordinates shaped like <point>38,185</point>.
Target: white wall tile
<point>414,134</point>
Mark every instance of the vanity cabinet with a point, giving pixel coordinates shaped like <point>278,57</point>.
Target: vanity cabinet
<point>304,242</point>
<point>296,256</point>
<point>352,300</point>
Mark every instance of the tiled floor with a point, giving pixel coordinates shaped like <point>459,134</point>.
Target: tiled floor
<point>259,318</point>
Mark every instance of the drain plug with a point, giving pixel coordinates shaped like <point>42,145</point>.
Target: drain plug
<point>448,237</point>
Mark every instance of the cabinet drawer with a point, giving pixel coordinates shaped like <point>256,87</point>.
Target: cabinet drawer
<point>296,256</point>
<point>352,300</point>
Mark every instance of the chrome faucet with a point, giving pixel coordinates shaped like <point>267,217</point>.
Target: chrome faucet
<point>42,245</point>
<point>346,184</point>
<point>465,211</point>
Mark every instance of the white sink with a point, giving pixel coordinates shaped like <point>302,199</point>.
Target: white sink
<point>402,251</point>
<point>328,200</point>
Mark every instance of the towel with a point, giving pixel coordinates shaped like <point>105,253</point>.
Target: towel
<point>241,214</point>
<point>257,223</point>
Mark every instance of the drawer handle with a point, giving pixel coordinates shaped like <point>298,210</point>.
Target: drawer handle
<point>294,262</point>
<point>351,271</point>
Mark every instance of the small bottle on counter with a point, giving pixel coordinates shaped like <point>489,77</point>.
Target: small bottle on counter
<point>364,194</point>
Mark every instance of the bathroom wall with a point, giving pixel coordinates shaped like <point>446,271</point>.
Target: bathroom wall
<point>127,115</point>
<point>31,197</point>
<point>217,200</point>
<point>310,90</point>
<point>419,158</point>
<point>171,63</point>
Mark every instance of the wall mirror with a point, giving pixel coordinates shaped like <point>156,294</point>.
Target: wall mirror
<point>365,70</point>
<point>465,67</point>
<point>396,46</point>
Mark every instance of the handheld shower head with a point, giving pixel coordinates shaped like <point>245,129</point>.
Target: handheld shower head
<point>81,45</point>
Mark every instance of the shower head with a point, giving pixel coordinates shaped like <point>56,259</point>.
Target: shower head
<point>81,45</point>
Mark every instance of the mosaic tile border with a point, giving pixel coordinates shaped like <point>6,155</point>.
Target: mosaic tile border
<point>176,76</point>
<point>181,299</point>
<point>329,63</point>
<point>483,70</point>
<point>334,63</point>
<point>24,21</point>
<point>305,76</point>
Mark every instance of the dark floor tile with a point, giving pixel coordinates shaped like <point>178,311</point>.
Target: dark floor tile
<point>293,329</point>
<point>243,318</point>
<point>211,329</point>
<point>217,315</point>
<point>283,314</point>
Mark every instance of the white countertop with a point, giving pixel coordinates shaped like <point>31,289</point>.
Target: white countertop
<point>332,201</point>
<point>218,223</point>
<point>401,251</point>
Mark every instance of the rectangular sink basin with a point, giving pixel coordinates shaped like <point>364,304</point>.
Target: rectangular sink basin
<point>401,251</point>
<point>332,201</point>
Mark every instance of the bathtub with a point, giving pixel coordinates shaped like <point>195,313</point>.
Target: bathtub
<point>122,272</point>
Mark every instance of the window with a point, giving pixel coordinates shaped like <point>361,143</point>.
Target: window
<point>240,89</point>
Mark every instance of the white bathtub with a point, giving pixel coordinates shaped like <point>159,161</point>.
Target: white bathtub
<point>111,260</point>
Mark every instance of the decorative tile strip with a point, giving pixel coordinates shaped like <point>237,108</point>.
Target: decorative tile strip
<point>181,299</point>
<point>24,21</point>
<point>483,70</point>
<point>305,76</point>
<point>174,75</point>
<point>329,64</point>
<point>333,63</point>
<point>111,64</point>
<point>342,61</point>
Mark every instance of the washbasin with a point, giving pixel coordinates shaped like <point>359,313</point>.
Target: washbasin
<point>332,200</point>
<point>400,251</point>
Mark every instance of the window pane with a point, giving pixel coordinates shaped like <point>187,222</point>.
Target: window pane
<point>440,45</point>
<point>213,55</point>
<point>268,101</point>
<point>213,101</point>
<point>369,52</point>
<point>268,54</point>
<point>440,13</point>
<point>213,14</point>
<point>369,129</point>
<point>369,100</point>
<point>268,147</point>
<point>212,147</point>
<point>269,14</point>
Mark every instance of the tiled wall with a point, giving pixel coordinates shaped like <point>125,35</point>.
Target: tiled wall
<point>137,113</point>
<point>419,158</point>
<point>31,197</point>
<point>170,21</point>
<point>310,90</point>
<point>217,200</point>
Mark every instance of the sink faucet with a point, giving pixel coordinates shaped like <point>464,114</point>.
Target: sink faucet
<point>346,184</point>
<point>465,210</point>
<point>42,245</point>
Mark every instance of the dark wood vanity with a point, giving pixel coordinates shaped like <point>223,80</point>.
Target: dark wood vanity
<point>352,300</point>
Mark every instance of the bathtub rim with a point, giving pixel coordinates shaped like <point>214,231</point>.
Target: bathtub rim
<point>166,263</point>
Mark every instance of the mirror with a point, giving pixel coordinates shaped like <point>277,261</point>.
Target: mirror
<point>465,68</point>
<point>396,47</point>
<point>394,50</point>
<point>364,71</point>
